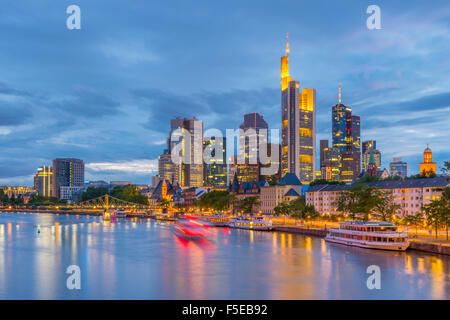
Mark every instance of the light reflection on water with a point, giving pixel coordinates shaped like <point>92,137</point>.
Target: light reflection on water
<point>142,259</point>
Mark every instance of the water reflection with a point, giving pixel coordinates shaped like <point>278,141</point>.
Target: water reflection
<point>143,259</point>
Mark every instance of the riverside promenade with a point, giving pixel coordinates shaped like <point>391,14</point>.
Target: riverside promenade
<point>420,242</point>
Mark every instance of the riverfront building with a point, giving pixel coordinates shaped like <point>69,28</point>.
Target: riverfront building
<point>410,194</point>
<point>43,181</point>
<point>398,168</point>
<point>67,172</point>
<point>288,189</point>
<point>298,126</point>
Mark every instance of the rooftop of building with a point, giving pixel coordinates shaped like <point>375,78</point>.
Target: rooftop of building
<point>440,181</point>
<point>290,179</point>
<point>292,193</point>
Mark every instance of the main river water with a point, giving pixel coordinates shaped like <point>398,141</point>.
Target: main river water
<point>143,259</point>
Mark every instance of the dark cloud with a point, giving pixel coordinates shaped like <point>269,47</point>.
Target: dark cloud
<point>12,114</point>
<point>73,93</point>
<point>6,89</point>
<point>425,103</point>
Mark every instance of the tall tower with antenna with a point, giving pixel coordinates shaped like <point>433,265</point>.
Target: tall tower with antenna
<point>298,126</point>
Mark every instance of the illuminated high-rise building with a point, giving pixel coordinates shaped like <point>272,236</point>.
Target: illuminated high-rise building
<point>186,134</point>
<point>330,168</point>
<point>253,136</point>
<point>341,123</point>
<point>350,166</point>
<point>298,126</point>
<point>323,145</point>
<point>67,172</point>
<point>215,166</point>
<point>366,146</point>
<point>44,181</point>
<point>346,137</point>
<point>398,168</point>
<point>427,165</point>
<point>356,133</point>
<point>376,154</point>
<point>167,170</point>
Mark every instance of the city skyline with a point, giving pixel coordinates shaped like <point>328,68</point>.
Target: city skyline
<point>112,107</point>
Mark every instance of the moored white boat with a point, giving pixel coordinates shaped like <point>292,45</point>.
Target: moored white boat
<point>369,234</point>
<point>251,223</point>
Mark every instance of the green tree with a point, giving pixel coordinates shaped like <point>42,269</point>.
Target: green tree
<point>282,209</point>
<point>358,201</point>
<point>437,214</point>
<point>446,168</point>
<point>386,209</point>
<point>415,220</point>
<point>248,204</point>
<point>129,193</point>
<point>93,192</point>
<point>216,200</point>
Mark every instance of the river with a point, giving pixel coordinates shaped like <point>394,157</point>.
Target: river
<point>143,259</point>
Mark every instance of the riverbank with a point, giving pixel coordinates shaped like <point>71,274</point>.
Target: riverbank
<point>421,244</point>
<point>415,244</point>
<point>96,213</point>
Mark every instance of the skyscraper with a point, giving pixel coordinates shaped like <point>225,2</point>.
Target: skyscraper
<point>323,146</point>
<point>356,133</point>
<point>44,181</point>
<point>366,146</point>
<point>376,154</point>
<point>186,135</point>
<point>398,168</point>
<point>254,130</point>
<point>67,172</point>
<point>371,166</point>
<point>341,124</point>
<point>330,169</point>
<point>249,143</point>
<point>298,126</point>
<point>215,166</point>
<point>350,166</point>
<point>346,138</point>
<point>167,170</point>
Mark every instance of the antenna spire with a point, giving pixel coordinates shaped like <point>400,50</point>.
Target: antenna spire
<point>287,44</point>
<point>339,93</point>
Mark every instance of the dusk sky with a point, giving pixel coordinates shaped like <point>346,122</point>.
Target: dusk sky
<point>106,93</point>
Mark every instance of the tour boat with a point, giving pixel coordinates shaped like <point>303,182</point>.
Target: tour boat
<point>369,234</point>
<point>165,217</point>
<point>216,220</point>
<point>118,214</point>
<point>251,223</point>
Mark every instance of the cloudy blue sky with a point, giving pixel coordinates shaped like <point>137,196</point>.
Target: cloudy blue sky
<point>106,93</point>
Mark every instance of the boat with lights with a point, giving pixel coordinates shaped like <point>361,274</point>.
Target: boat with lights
<point>215,220</point>
<point>251,223</point>
<point>369,234</point>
